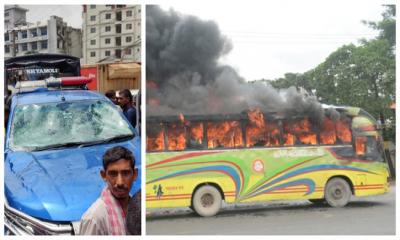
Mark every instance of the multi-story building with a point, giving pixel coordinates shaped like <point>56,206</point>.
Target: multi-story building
<point>52,36</point>
<point>111,33</point>
<point>14,16</point>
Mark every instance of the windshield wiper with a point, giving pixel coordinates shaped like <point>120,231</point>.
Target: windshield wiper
<point>109,140</point>
<point>84,144</point>
<point>57,146</point>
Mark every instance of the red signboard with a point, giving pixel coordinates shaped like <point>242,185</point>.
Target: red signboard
<point>90,72</point>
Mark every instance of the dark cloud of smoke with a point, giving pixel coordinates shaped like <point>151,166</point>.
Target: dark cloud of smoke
<point>184,75</point>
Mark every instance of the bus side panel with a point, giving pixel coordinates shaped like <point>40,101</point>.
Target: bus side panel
<point>178,191</point>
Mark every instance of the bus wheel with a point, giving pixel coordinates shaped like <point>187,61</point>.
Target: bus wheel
<point>207,201</point>
<point>337,192</point>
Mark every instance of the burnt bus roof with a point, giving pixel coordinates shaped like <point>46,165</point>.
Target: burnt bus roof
<point>240,116</point>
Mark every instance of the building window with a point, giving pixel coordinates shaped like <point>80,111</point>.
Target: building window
<point>6,49</point>
<point>43,31</point>
<point>108,15</point>
<point>128,51</point>
<point>93,18</point>
<point>128,26</point>
<point>6,37</point>
<point>24,46</point>
<point>43,44</point>
<point>92,54</point>
<point>107,53</point>
<point>34,32</point>
<point>118,28</point>
<point>128,39</point>
<point>137,49</point>
<point>92,6</point>
<point>108,28</point>
<point>118,16</point>
<point>107,41</point>
<point>129,13</point>
<point>118,53</point>
<point>34,46</point>
<point>24,34</point>
<point>92,30</point>
<point>6,14</point>
<point>138,36</point>
<point>93,42</point>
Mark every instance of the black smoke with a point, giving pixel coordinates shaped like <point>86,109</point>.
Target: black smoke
<point>184,74</point>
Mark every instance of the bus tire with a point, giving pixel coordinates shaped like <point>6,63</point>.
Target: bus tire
<point>337,192</point>
<point>207,201</point>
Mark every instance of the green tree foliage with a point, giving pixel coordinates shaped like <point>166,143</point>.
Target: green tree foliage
<point>362,76</point>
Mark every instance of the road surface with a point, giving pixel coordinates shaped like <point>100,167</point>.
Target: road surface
<point>374,215</point>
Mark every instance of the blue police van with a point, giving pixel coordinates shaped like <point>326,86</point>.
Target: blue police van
<point>56,135</point>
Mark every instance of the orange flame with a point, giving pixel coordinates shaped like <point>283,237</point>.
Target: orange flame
<point>328,132</point>
<point>176,137</point>
<point>224,134</point>
<point>343,131</point>
<point>196,132</point>
<point>155,142</point>
<point>360,145</point>
<point>181,117</point>
<point>300,131</point>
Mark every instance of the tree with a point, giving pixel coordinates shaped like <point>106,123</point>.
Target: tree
<point>362,76</point>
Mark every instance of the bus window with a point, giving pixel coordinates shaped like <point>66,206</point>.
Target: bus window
<point>265,135</point>
<point>328,132</point>
<point>176,136</point>
<point>259,132</point>
<point>367,147</point>
<point>224,134</point>
<point>256,132</point>
<point>273,134</point>
<point>343,130</point>
<point>298,132</point>
<point>196,135</point>
<point>155,137</point>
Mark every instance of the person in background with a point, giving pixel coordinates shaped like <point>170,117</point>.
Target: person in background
<point>108,214</point>
<point>125,101</point>
<point>110,94</point>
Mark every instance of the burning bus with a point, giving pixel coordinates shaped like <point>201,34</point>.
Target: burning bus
<point>198,161</point>
<point>213,136</point>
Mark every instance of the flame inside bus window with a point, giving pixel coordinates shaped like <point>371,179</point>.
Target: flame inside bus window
<point>176,136</point>
<point>328,132</point>
<point>196,135</point>
<point>360,145</point>
<point>155,137</point>
<point>299,132</point>
<point>259,132</point>
<point>343,130</point>
<point>226,134</point>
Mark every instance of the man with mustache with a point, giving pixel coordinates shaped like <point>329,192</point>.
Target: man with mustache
<point>107,215</point>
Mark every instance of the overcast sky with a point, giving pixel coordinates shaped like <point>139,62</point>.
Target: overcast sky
<point>72,14</point>
<point>269,38</point>
<point>277,37</point>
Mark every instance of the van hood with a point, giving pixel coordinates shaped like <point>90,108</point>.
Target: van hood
<point>59,185</point>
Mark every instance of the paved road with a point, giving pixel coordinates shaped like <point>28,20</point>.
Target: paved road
<point>373,215</point>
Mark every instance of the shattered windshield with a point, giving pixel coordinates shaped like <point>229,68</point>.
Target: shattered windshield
<point>41,126</point>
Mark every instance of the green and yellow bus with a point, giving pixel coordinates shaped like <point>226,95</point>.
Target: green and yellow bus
<point>200,161</point>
